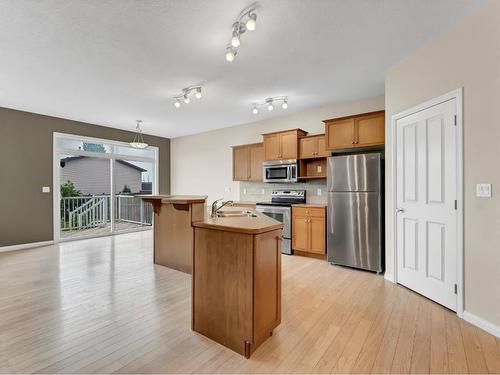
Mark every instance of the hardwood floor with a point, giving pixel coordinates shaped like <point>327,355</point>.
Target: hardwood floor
<point>100,305</point>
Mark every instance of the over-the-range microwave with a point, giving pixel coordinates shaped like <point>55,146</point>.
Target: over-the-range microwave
<point>281,170</point>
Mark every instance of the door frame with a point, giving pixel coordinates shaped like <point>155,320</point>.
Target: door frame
<point>458,96</point>
<point>111,157</point>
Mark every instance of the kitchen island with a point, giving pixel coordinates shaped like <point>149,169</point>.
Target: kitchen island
<point>173,231</point>
<point>236,284</point>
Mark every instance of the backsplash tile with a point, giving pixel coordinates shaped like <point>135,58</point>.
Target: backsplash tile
<point>261,191</point>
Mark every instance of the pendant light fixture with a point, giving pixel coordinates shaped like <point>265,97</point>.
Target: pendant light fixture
<point>138,141</point>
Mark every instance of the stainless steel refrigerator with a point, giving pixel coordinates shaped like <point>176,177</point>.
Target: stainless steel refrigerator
<point>355,210</point>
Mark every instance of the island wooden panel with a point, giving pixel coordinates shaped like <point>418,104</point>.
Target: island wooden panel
<point>236,287</point>
<point>173,232</point>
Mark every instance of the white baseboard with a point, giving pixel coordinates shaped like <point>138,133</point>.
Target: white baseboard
<point>25,246</point>
<point>389,277</point>
<point>481,323</point>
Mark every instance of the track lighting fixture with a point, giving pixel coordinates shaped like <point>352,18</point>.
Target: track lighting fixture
<point>269,103</point>
<point>185,95</point>
<point>246,20</point>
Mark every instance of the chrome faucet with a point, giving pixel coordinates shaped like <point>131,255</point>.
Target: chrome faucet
<point>215,209</point>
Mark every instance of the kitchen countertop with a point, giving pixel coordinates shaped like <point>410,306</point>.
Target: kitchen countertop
<point>247,225</point>
<point>176,199</point>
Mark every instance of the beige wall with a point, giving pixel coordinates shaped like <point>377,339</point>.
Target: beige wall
<point>202,163</point>
<point>26,165</point>
<point>468,56</point>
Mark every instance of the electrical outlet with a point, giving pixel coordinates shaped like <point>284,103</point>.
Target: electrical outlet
<point>227,189</point>
<point>318,192</point>
<point>45,189</point>
<point>483,190</point>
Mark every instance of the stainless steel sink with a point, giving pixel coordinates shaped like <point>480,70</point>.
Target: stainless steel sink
<point>236,214</point>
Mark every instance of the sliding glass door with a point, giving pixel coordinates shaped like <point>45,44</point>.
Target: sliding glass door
<point>96,187</point>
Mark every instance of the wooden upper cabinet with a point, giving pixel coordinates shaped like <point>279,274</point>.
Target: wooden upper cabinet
<point>282,145</point>
<point>307,147</point>
<point>370,130</point>
<point>340,134</point>
<point>256,160</point>
<point>313,146</point>
<point>362,130</point>
<point>322,149</point>
<point>272,148</point>
<point>247,162</point>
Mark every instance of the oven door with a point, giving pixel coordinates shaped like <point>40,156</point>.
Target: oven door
<point>280,173</point>
<point>284,216</point>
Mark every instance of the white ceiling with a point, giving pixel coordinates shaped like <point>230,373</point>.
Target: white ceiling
<point>110,62</point>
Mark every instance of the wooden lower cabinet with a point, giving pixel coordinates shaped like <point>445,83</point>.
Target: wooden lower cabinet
<point>309,229</point>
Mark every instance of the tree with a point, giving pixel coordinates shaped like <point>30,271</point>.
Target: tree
<point>126,190</point>
<point>68,190</point>
<point>93,147</point>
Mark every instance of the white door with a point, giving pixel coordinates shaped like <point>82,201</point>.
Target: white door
<point>426,167</point>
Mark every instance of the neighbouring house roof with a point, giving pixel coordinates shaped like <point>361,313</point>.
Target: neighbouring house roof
<point>71,158</point>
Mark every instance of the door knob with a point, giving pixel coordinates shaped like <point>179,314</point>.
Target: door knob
<point>399,210</point>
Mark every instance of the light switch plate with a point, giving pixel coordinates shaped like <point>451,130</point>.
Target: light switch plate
<point>319,168</point>
<point>45,189</point>
<point>263,192</point>
<point>244,191</point>
<point>483,190</point>
<point>318,192</point>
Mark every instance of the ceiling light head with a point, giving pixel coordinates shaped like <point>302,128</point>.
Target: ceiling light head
<point>198,93</point>
<point>230,54</point>
<point>177,103</point>
<point>255,109</point>
<point>186,99</point>
<point>270,106</point>
<point>251,22</point>
<point>285,104</point>
<point>235,40</point>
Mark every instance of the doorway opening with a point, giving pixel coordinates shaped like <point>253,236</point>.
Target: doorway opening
<point>96,183</point>
<point>427,168</point>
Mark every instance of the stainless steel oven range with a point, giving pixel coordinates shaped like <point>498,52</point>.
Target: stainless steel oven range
<point>280,208</point>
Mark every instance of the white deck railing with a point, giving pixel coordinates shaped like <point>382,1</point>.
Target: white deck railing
<point>94,211</point>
